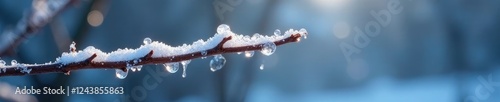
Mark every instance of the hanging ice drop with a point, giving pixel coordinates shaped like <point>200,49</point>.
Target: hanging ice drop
<point>184,67</point>
<point>120,74</point>
<point>217,63</point>
<point>249,54</point>
<point>171,67</point>
<point>139,67</point>
<point>132,69</point>
<point>268,48</point>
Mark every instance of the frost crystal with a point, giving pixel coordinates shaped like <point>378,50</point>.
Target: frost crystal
<point>249,54</point>
<point>120,74</point>
<point>217,63</point>
<point>147,41</point>
<point>24,69</point>
<point>268,48</point>
<point>72,47</point>
<point>184,67</point>
<point>256,36</point>
<point>172,67</point>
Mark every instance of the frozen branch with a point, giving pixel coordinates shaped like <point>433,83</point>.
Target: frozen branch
<point>42,13</point>
<point>155,52</point>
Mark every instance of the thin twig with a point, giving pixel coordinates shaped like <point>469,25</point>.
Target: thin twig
<point>147,59</point>
<point>31,24</point>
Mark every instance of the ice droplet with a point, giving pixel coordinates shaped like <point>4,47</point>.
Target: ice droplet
<point>203,54</point>
<point>261,67</point>
<point>217,63</point>
<point>72,47</point>
<point>136,61</point>
<point>133,69</point>
<point>120,74</point>
<point>2,63</point>
<point>172,67</point>
<point>129,66</point>
<point>268,48</point>
<point>184,67</point>
<point>277,32</point>
<point>13,62</point>
<point>223,28</point>
<point>239,53</point>
<point>249,54</point>
<point>139,67</point>
<point>147,41</point>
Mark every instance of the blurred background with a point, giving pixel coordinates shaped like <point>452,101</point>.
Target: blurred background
<point>419,51</point>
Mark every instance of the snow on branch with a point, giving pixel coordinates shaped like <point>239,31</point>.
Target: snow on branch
<point>43,11</point>
<point>154,52</point>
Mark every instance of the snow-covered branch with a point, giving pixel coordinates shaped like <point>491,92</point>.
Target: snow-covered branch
<point>154,52</point>
<point>43,11</point>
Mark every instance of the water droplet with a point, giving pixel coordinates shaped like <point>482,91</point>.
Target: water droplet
<point>135,61</point>
<point>268,48</point>
<point>303,32</point>
<point>217,63</point>
<point>261,67</point>
<point>223,28</point>
<point>2,63</point>
<point>130,67</point>
<point>139,67</point>
<point>184,67</point>
<point>120,74</point>
<point>239,53</point>
<point>133,69</point>
<point>203,53</point>
<point>249,54</point>
<point>72,47</point>
<point>277,32</point>
<point>13,62</point>
<point>172,67</point>
<point>147,41</point>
